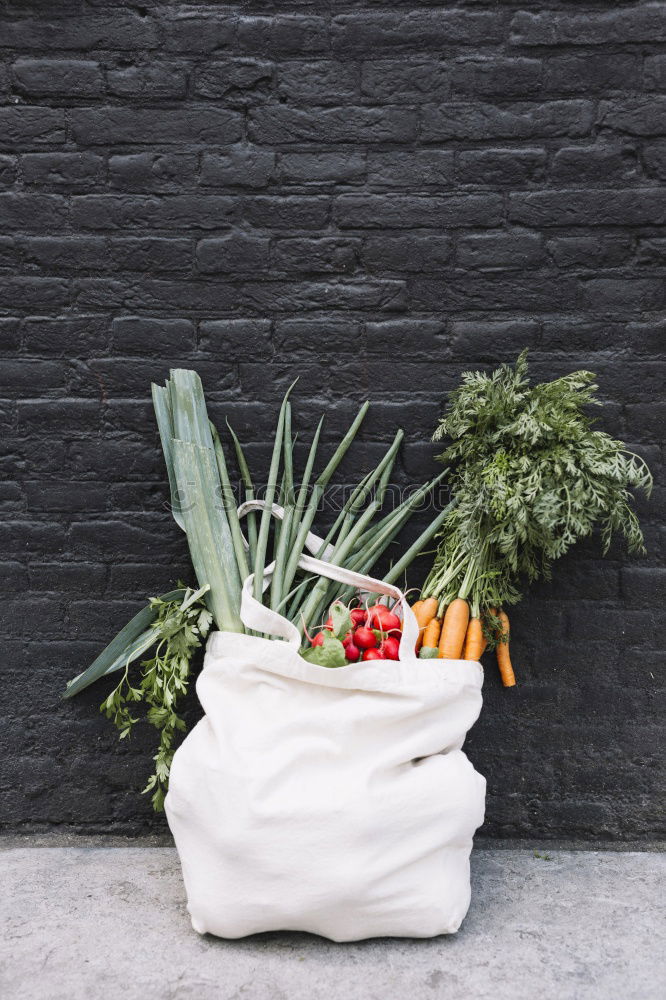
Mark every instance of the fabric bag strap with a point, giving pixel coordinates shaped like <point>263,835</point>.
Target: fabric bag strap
<point>259,618</point>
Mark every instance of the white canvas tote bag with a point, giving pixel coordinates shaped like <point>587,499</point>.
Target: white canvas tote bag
<point>335,801</point>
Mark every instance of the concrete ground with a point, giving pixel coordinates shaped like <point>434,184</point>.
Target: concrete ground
<point>91,923</point>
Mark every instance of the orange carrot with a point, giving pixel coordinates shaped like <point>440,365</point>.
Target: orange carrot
<point>454,629</point>
<point>431,633</point>
<point>475,642</point>
<point>425,611</point>
<point>503,655</point>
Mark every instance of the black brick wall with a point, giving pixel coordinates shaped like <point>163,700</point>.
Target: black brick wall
<point>378,196</point>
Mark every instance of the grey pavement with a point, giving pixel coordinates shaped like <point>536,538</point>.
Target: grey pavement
<point>82,923</point>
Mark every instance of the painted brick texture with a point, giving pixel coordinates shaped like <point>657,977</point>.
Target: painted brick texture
<point>375,196</point>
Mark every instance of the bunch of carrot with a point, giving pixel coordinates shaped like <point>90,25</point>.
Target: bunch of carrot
<point>454,633</point>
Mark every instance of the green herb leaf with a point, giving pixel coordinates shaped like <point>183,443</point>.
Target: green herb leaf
<point>331,653</point>
<point>341,619</point>
<point>179,628</point>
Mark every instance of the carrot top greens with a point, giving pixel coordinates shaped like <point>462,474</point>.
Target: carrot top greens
<point>531,476</point>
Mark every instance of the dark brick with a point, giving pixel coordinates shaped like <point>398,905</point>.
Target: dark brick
<point>493,76</point>
<point>145,127</point>
<point>323,168</point>
<point>370,31</point>
<point>30,537</point>
<point>202,32</point>
<point>236,252</point>
<point>624,294</point>
<point>140,579</point>
<point>9,252</point>
<point>239,166</point>
<point>590,27</point>
<point>320,83</point>
<point>425,168</point>
<point>12,498</point>
<point>651,251</point>
<point>67,77</point>
<point>26,125</point>
<point>238,81</point>
<point>590,251</point>
<point>283,296</point>
<point>151,171</point>
<point>13,577</point>
<point>634,115</point>
<point>500,251</point>
<point>54,495</point>
<point>647,336</point>
<point>654,72</point>
<point>10,336</point>
<point>327,255</point>
<point>491,339</point>
<point>358,211</point>
<point>654,155</point>
<point>7,171</point>
<point>116,29</point>
<point>501,166</point>
<point>329,334</point>
<point>285,213</point>
<point>586,164</point>
<point>283,125</point>
<point>574,73</point>
<point>148,336</point>
<point>229,338</point>
<point>407,252</point>
<point>111,212</point>
<point>645,421</point>
<point>39,416</point>
<point>405,81</point>
<point>70,578</point>
<point>64,252</point>
<point>519,121</point>
<point>590,208</point>
<point>152,81</point>
<point>33,293</point>
<point>425,337</point>
<point>151,253</point>
<point>31,212</point>
<point>282,33</point>
<point>74,171</point>
<point>65,336</point>
<point>500,293</point>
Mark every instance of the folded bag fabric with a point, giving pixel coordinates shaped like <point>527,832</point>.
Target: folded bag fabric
<point>336,801</point>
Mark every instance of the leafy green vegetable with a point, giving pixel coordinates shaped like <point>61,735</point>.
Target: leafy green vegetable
<point>132,640</point>
<point>531,477</point>
<point>331,653</point>
<point>341,618</point>
<point>178,631</point>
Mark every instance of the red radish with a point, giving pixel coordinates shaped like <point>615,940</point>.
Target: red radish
<point>352,652</point>
<point>390,647</point>
<point>318,639</point>
<point>365,638</point>
<point>380,616</point>
<point>329,624</point>
<point>359,616</point>
<point>373,654</point>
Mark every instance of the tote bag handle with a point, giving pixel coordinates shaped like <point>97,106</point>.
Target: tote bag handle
<point>259,618</point>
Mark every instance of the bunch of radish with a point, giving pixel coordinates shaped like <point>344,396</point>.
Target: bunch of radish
<point>371,633</point>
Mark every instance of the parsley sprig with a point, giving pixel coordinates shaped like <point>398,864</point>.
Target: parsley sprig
<point>179,629</point>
